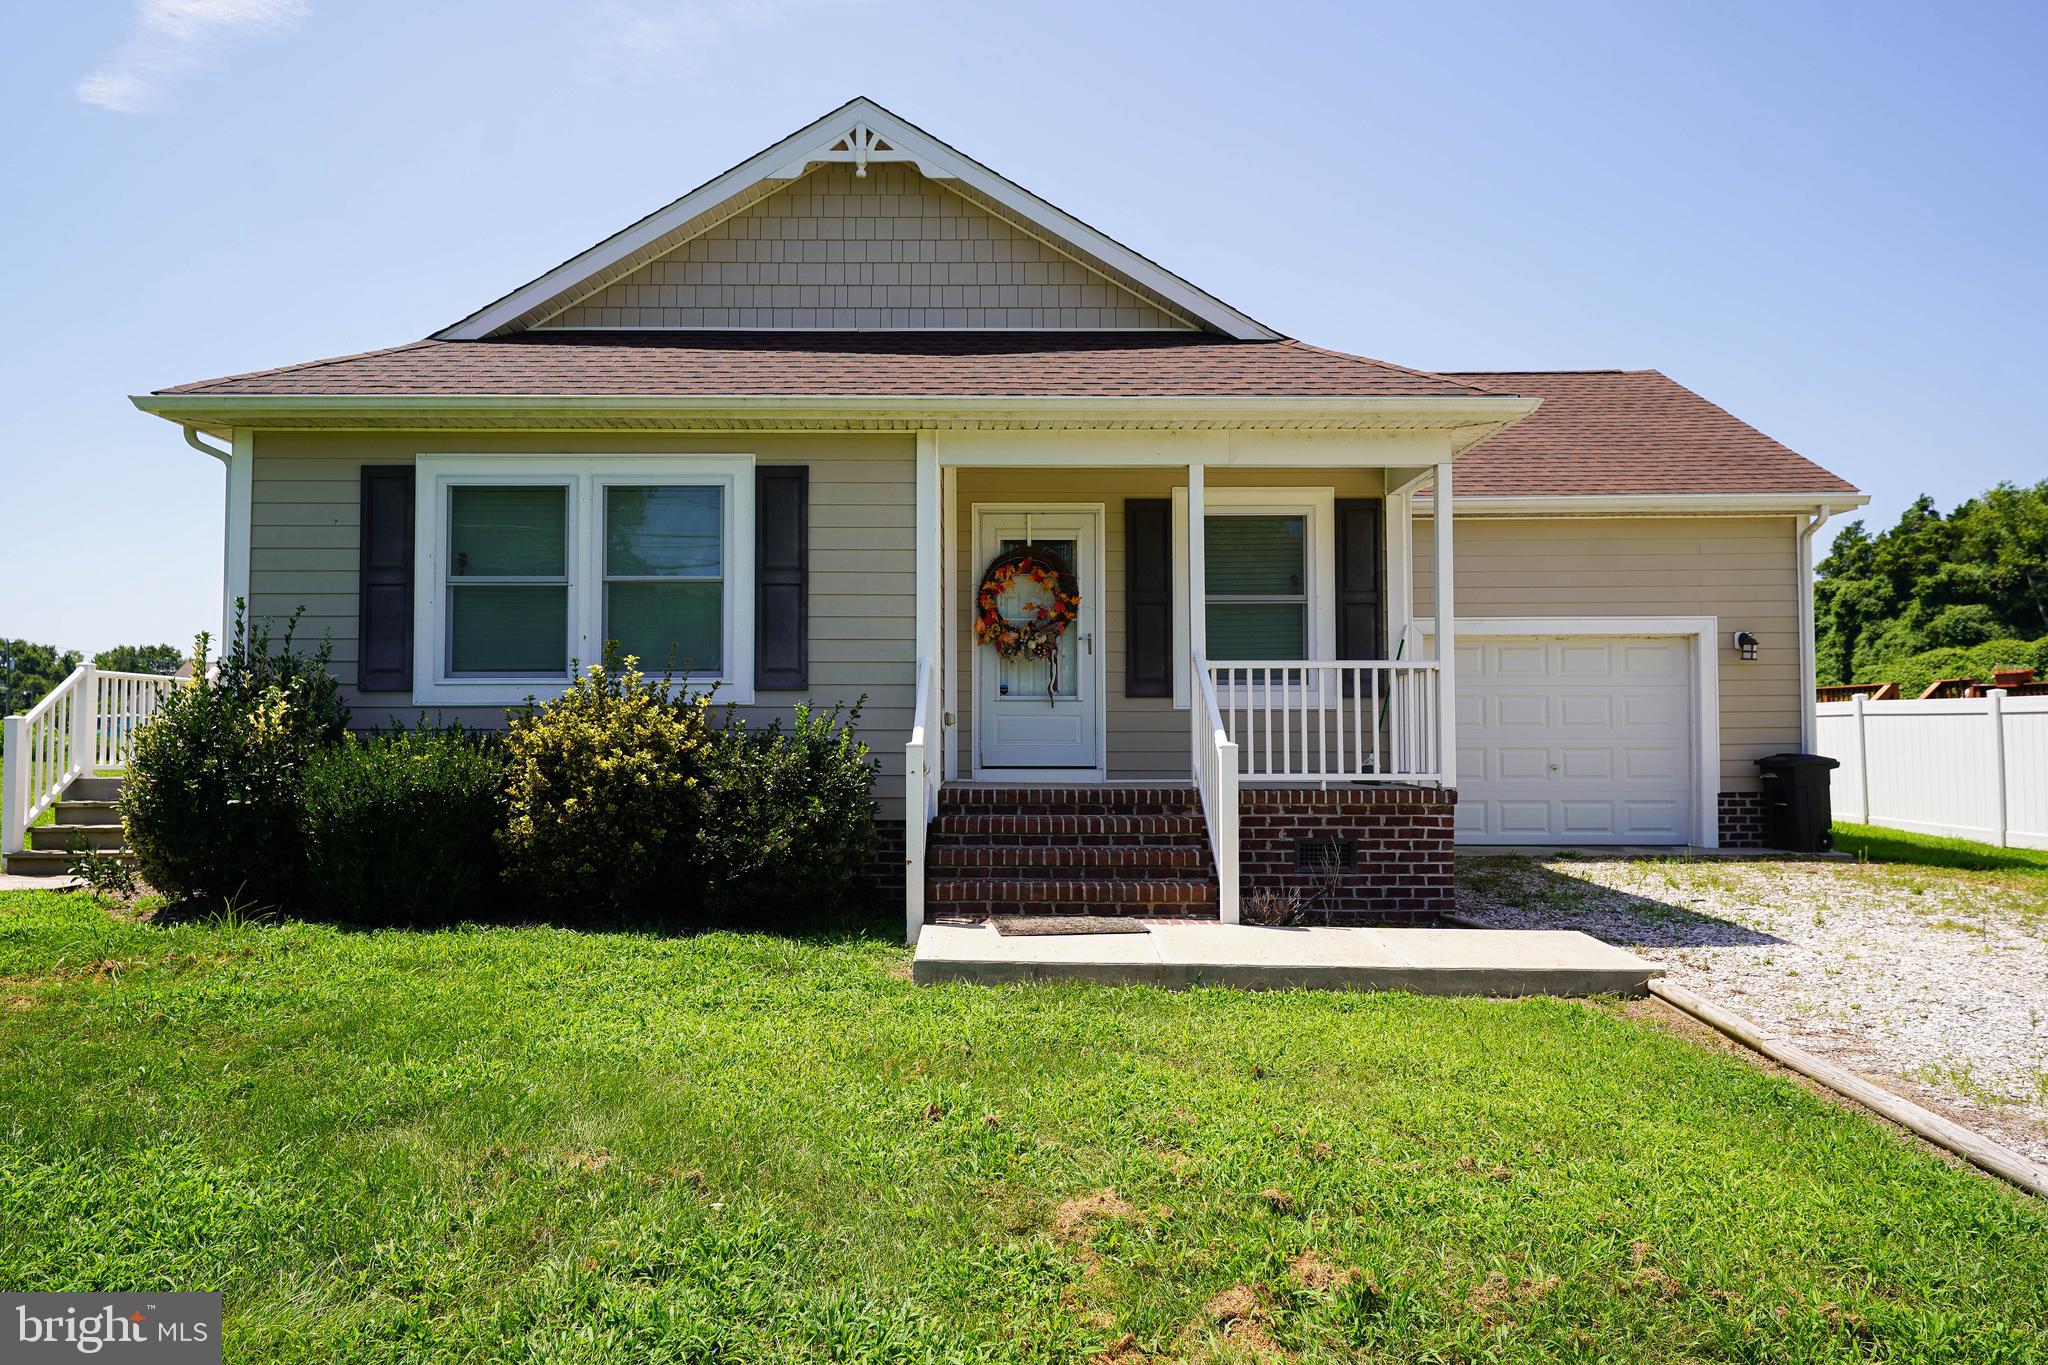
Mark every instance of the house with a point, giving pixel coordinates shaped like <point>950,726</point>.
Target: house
<point>783,427</point>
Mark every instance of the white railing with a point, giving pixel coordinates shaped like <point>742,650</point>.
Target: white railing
<point>86,724</point>
<point>1215,763</point>
<point>923,770</point>
<point>1349,721</point>
<point>1969,768</point>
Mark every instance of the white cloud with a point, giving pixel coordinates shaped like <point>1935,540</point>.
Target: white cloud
<point>675,36</point>
<point>170,38</point>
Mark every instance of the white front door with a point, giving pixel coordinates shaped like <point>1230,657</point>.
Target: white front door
<point>1031,716</point>
<point>1575,740</point>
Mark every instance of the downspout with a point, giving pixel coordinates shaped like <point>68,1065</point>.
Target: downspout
<point>1808,666</point>
<point>227,496</point>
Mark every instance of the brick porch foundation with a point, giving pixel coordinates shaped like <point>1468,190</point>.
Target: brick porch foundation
<point>1401,861</point>
<point>1742,820</point>
<point>885,870</point>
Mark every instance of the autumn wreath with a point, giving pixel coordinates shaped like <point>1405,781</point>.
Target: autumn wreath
<point>1036,633</point>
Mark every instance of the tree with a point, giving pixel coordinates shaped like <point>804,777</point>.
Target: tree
<point>1979,574</point>
<point>29,671</point>
<point>163,659</point>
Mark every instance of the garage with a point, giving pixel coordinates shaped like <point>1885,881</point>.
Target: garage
<point>1576,739</point>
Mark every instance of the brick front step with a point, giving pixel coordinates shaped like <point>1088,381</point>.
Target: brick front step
<point>1008,828</point>
<point>1163,799</point>
<point>1071,860</point>
<point>1135,896</point>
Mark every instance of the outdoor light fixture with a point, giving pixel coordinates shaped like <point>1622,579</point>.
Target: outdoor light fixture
<point>1745,646</point>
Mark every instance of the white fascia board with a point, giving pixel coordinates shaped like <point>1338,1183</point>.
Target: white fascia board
<point>1385,413</point>
<point>1646,504</point>
<point>788,158</point>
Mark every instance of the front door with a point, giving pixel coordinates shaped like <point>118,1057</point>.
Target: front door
<point>1031,715</point>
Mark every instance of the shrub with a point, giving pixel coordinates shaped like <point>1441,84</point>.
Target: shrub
<point>401,827</point>
<point>790,817</point>
<point>604,793</point>
<point>211,801</point>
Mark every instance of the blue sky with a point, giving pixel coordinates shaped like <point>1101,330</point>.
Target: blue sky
<point>1830,219</point>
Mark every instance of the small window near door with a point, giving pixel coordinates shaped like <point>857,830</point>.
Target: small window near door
<point>1257,586</point>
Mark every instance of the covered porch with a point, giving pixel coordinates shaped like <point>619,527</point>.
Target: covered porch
<point>1246,644</point>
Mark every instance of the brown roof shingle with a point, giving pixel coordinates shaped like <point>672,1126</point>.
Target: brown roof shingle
<point>1626,432</point>
<point>867,364</point>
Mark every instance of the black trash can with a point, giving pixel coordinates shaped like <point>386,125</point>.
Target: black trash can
<point>1798,814</point>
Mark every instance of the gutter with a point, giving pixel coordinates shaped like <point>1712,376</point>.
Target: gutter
<point>1808,665</point>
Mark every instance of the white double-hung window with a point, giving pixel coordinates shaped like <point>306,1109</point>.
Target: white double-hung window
<point>1268,589</point>
<point>528,564</point>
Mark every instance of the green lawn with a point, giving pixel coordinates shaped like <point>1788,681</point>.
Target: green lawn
<point>1872,844</point>
<point>534,1144</point>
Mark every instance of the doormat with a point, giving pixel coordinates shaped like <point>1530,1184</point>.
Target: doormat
<point>1026,925</point>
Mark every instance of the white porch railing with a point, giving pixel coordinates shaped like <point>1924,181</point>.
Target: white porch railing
<point>1349,721</point>
<point>86,724</point>
<point>923,771</point>
<point>1215,764</point>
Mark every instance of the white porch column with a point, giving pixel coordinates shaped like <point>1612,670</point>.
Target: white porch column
<point>241,470</point>
<point>1400,523</point>
<point>1446,634</point>
<point>1198,571</point>
<point>949,614</point>
<point>929,547</point>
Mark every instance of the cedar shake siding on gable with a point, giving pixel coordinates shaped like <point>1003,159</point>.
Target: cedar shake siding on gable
<point>305,538</point>
<point>889,250</point>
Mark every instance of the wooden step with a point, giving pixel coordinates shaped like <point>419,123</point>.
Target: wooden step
<point>1174,897</point>
<point>92,789</point>
<point>88,812</point>
<point>65,838</point>
<point>45,863</point>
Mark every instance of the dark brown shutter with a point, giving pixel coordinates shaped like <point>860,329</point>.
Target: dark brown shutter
<point>782,577</point>
<point>1361,570</point>
<point>384,580</point>
<point>1148,597</point>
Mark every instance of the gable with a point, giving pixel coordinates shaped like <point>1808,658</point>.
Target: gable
<point>877,145</point>
<point>890,249</point>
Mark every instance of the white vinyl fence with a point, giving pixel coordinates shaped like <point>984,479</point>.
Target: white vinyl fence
<point>1974,768</point>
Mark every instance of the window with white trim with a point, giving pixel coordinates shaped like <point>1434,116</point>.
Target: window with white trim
<point>529,564</point>
<point>1258,585</point>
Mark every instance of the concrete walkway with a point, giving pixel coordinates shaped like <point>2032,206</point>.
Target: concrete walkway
<point>1501,962</point>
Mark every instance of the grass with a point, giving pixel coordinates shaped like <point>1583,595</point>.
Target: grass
<point>492,1144</point>
<point>1869,843</point>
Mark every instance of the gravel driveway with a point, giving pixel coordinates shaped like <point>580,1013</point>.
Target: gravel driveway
<point>1931,980</point>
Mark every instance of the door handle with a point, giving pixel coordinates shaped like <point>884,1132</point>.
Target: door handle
<point>1088,639</point>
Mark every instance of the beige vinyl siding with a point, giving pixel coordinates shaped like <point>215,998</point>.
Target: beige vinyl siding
<point>1741,570</point>
<point>305,500</point>
<point>891,250</point>
<point>1146,739</point>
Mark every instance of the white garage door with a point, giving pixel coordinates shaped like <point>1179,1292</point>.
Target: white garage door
<point>1575,740</point>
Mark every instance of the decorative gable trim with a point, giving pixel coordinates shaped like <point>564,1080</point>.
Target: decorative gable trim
<point>860,132</point>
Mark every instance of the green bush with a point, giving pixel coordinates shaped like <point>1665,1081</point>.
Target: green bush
<point>604,794</point>
<point>790,817</point>
<point>400,827</point>
<point>211,801</point>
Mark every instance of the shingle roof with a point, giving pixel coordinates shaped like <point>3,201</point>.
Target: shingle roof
<point>868,364</point>
<point>1623,432</point>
